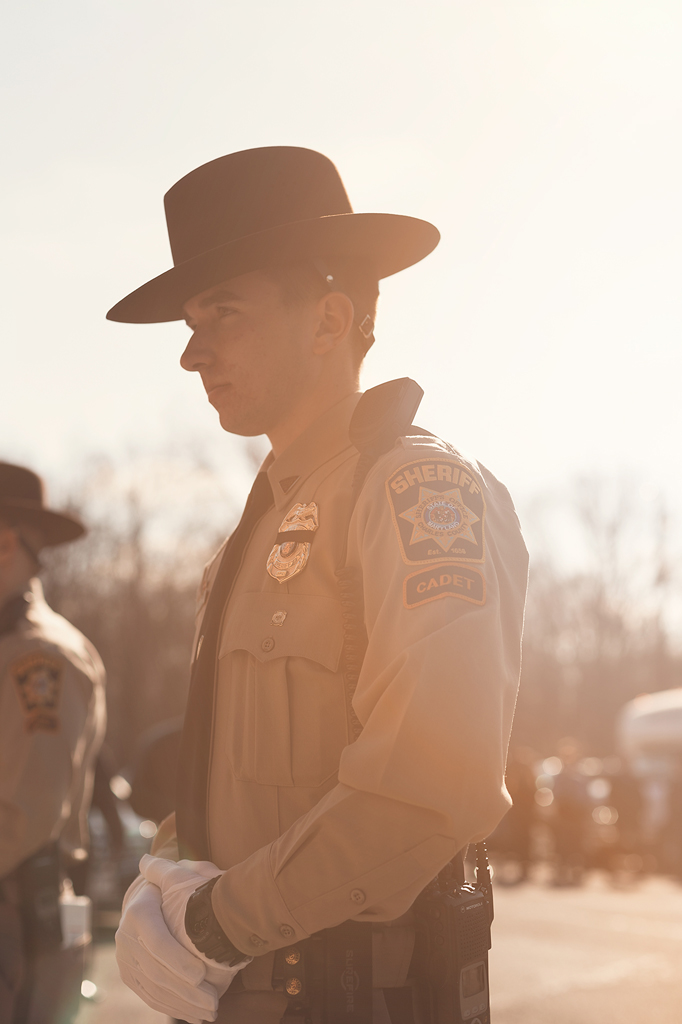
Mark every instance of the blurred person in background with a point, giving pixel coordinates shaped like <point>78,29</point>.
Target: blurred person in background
<point>572,816</point>
<point>105,801</point>
<point>513,836</point>
<point>627,799</point>
<point>357,648</point>
<point>672,842</point>
<point>52,722</point>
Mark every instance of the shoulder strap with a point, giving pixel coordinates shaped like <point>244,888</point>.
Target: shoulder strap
<point>382,415</point>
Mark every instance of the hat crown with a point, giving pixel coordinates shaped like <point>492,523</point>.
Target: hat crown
<point>254,190</point>
<point>16,482</point>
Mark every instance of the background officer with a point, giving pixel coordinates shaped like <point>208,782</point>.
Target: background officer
<point>358,637</point>
<point>52,721</point>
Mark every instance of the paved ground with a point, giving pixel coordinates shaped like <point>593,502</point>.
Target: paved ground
<point>115,1004</point>
<point>561,956</point>
<point>587,956</point>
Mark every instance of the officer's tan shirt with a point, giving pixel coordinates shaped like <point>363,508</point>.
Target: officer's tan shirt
<point>52,722</point>
<point>311,828</point>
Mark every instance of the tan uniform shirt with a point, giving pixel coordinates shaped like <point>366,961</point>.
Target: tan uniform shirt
<point>311,828</point>
<point>52,722</point>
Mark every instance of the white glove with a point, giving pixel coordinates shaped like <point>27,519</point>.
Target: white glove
<point>155,966</point>
<point>177,880</point>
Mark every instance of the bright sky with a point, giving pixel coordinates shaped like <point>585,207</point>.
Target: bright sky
<point>543,138</point>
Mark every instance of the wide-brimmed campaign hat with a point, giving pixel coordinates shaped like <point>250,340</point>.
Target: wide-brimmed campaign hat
<point>23,500</point>
<point>260,207</point>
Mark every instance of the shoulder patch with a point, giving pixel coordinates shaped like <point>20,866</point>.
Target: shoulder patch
<point>38,679</point>
<point>444,581</point>
<point>438,510</point>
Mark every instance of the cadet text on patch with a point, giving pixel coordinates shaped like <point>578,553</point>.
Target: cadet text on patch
<point>38,679</point>
<point>444,581</point>
<point>438,509</point>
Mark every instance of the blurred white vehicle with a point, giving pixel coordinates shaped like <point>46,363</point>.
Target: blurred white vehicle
<point>649,733</point>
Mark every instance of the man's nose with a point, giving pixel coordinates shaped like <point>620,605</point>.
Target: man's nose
<point>196,353</point>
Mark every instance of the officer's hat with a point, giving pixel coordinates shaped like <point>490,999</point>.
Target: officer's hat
<point>23,500</point>
<point>254,209</point>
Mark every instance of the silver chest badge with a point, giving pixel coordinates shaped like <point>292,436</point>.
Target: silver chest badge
<point>288,558</point>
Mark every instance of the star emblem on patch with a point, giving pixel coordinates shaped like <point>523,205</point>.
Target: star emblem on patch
<point>441,515</point>
<point>438,510</point>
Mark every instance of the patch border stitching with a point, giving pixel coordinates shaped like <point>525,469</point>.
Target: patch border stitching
<point>447,593</point>
<point>444,557</point>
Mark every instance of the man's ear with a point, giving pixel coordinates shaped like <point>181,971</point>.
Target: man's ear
<point>335,313</point>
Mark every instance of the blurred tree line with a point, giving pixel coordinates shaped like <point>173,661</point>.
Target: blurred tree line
<point>596,628</point>
<point>600,623</point>
<point>130,584</point>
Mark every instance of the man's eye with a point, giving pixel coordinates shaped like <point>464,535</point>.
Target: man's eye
<point>226,310</point>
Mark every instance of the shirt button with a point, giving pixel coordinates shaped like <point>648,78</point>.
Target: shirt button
<point>357,896</point>
<point>286,930</point>
<point>267,644</point>
<point>256,941</point>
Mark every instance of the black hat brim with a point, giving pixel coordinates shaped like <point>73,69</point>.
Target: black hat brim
<point>385,243</point>
<point>55,527</point>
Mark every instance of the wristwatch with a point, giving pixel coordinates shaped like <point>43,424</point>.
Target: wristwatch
<point>202,926</point>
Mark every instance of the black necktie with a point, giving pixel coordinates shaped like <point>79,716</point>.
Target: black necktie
<point>193,768</point>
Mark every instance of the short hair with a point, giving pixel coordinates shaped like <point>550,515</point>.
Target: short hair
<point>304,282</point>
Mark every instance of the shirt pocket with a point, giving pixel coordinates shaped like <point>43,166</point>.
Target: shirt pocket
<point>281,703</point>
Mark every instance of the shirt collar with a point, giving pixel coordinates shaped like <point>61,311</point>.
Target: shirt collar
<point>326,437</point>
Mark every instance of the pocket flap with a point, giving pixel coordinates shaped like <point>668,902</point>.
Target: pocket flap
<point>271,626</point>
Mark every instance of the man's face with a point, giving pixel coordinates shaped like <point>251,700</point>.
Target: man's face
<point>19,549</point>
<point>253,351</point>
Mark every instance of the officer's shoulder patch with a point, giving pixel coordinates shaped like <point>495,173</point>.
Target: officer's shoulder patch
<point>446,580</point>
<point>438,509</point>
<point>37,677</point>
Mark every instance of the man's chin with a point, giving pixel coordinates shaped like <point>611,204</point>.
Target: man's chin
<point>230,420</point>
<point>242,427</point>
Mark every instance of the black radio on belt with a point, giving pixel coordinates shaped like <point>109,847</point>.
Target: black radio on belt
<point>453,920</point>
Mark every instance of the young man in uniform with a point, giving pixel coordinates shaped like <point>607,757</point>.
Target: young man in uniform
<point>357,648</point>
<point>52,722</point>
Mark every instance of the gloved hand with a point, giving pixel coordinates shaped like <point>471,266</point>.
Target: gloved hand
<point>157,967</point>
<point>177,880</point>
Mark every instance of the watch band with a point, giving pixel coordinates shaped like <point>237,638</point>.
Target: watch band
<point>202,926</point>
